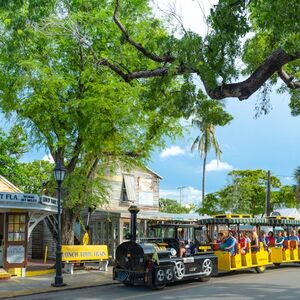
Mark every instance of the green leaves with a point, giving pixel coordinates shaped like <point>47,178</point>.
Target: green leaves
<point>172,206</point>
<point>247,194</point>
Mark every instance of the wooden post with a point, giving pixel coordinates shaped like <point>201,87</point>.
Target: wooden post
<point>46,254</point>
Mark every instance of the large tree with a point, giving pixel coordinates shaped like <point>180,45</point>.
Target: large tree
<point>101,80</point>
<point>85,116</point>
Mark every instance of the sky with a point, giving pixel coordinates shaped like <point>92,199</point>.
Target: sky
<point>270,142</point>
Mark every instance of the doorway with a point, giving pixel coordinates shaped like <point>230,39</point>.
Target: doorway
<point>1,239</point>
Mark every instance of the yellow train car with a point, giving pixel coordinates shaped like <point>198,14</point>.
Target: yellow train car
<point>290,251</point>
<point>229,261</point>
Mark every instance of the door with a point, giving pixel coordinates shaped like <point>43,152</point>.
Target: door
<point>16,240</point>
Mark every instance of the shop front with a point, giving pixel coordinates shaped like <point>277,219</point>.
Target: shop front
<point>19,214</point>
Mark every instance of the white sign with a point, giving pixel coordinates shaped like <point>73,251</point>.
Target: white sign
<point>28,201</point>
<point>17,197</point>
<point>15,254</point>
<point>146,198</point>
<point>145,185</point>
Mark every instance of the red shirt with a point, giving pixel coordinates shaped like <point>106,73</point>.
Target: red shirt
<point>271,241</point>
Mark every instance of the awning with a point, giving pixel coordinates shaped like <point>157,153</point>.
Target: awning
<point>129,185</point>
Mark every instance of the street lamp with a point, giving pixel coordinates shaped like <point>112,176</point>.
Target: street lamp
<point>59,174</point>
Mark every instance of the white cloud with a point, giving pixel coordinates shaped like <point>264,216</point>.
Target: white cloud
<point>48,158</point>
<point>215,165</point>
<point>188,195</point>
<point>172,151</point>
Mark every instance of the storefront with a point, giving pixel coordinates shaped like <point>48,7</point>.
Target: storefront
<point>19,214</point>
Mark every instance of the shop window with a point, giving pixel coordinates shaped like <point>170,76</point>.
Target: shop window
<point>16,228</point>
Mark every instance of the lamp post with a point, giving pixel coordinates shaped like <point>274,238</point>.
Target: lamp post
<point>59,174</point>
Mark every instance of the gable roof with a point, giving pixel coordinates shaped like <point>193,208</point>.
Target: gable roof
<point>7,186</point>
<point>154,173</point>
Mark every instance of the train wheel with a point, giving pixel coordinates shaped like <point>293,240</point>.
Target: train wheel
<point>260,269</point>
<point>277,264</point>
<point>204,279</point>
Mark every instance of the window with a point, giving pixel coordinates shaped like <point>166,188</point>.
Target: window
<point>16,228</point>
<point>124,192</point>
<point>128,188</point>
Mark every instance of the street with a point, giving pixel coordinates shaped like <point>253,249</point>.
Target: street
<point>275,283</point>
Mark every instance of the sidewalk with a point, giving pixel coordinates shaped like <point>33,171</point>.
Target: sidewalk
<point>41,284</point>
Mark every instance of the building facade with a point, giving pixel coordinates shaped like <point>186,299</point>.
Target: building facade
<point>20,213</point>
<point>110,224</point>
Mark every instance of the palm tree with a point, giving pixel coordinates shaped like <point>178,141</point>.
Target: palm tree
<point>203,143</point>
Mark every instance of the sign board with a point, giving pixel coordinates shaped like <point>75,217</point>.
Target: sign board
<point>18,197</point>
<point>145,185</point>
<point>28,201</point>
<point>84,252</point>
<point>15,254</point>
<point>146,198</point>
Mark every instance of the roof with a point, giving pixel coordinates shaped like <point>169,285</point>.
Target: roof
<point>12,187</point>
<point>156,174</point>
<point>150,215</point>
<point>253,221</point>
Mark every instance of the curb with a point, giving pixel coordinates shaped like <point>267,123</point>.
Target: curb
<point>11,295</point>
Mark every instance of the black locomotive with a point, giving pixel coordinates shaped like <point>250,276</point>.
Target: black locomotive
<point>145,263</point>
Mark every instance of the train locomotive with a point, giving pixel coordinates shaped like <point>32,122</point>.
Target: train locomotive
<point>144,263</point>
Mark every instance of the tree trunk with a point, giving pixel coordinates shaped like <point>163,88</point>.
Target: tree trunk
<point>67,226</point>
<point>203,179</point>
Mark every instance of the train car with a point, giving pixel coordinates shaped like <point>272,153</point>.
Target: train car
<point>290,251</point>
<point>236,260</point>
<point>260,257</point>
<point>148,263</point>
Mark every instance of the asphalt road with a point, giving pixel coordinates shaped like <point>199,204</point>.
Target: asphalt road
<point>281,283</point>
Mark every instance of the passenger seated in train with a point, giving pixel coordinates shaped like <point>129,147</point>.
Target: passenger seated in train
<point>293,236</point>
<point>221,238</point>
<point>263,239</point>
<point>280,239</point>
<point>270,239</point>
<point>243,243</point>
<point>230,244</point>
<point>254,242</point>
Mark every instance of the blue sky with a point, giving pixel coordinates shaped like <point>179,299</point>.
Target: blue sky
<point>270,142</point>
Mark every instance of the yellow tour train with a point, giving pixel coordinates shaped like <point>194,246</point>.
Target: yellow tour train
<point>257,256</point>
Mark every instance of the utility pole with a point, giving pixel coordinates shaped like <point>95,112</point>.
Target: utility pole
<point>268,194</point>
<point>180,193</point>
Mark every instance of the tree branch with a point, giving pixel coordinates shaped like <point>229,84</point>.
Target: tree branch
<point>139,47</point>
<point>244,89</point>
<point>72,164</point>
<point>288,80</point>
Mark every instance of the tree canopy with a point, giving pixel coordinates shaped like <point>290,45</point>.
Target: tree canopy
<point>247,194</point>
<point>84,115</point>
<point>172,206</point>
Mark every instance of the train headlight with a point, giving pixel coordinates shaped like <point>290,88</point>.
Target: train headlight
<point>173,252</point>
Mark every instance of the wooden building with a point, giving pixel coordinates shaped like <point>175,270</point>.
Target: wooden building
<point>110,224</point>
